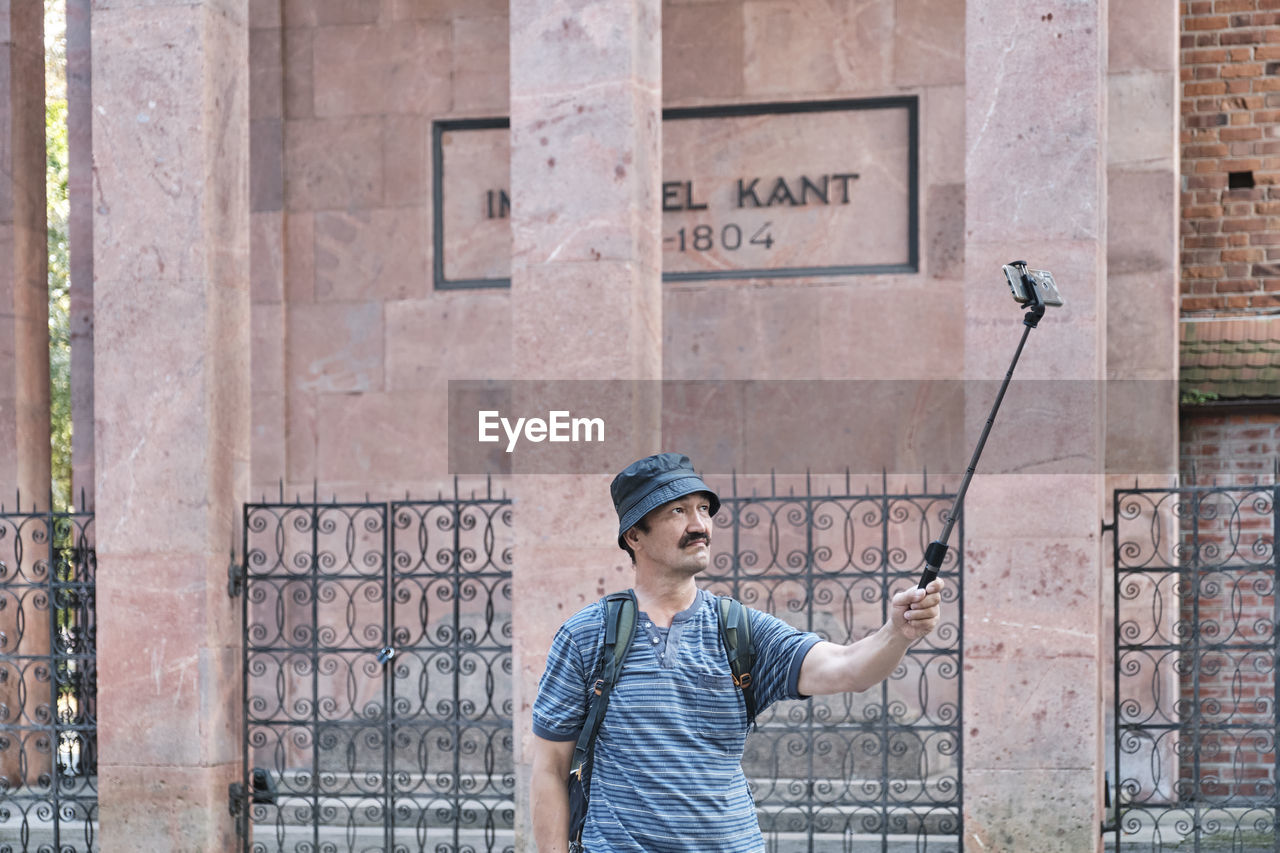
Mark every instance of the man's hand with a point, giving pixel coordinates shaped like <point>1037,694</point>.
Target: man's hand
<point>829,668</point>
<point>915,612</point>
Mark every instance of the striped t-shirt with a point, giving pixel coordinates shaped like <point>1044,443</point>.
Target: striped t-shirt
<point>668,758</point>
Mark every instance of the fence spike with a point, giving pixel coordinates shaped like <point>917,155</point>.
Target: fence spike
<point>282,490</point>
<point>19,499</point>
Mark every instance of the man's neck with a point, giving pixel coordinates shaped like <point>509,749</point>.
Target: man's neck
<point>661,598</point>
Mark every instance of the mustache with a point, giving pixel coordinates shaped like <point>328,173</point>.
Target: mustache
<point>689,538</point>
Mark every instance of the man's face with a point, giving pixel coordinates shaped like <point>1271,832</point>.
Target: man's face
<point>679,534</point>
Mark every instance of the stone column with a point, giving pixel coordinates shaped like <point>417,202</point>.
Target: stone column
<point>1143,268</point>
<point>171,244</point>
<point>585,289</point>
<point>24,388</point>
<point>24,294</point>
<point>266,245</point>
<point>1035,190</point>
<point>80,226</point>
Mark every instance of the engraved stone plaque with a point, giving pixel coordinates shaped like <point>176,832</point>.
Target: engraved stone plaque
<point>749,191</point>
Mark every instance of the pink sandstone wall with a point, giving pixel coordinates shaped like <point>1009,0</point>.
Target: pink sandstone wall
<point>857,327</point>
<point>1143,182</point>
<point>24,350</point>
<point>353,347</point>
<point>24,365</point>
<point>171,381</point>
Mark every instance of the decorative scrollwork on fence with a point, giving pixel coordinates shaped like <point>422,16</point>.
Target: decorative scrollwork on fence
<point>48,683</point>
<point>1195,667</point>
<point>415,753</point>
<point>378,675</point>
<point>859,771</point>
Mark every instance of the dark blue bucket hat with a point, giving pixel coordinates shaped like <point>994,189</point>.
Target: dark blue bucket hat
<point>652,481</point>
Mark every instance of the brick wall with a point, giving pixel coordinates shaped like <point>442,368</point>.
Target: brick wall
<point>1237,449</point>
<point>1230,155</point>
<point>1235,609</point>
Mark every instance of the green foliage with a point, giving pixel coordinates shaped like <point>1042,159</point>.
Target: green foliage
<point>55,114</point>
<point>1196,397</point>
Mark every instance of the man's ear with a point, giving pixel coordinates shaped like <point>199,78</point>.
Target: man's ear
<point>632,536</point>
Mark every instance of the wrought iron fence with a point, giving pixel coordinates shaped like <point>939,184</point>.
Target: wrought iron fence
<point>879,770</point>
<point>48,683</point>
<point>377,676</point>
<point>1196,669</point>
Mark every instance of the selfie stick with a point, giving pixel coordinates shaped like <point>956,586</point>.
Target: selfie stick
<point>937,550</point>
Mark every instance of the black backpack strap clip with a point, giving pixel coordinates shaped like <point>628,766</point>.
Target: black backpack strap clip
<point>735,633</point>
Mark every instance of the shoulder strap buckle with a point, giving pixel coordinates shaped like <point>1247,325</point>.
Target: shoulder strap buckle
<point>735,633</point>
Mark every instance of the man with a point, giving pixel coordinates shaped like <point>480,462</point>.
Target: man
<point>667,772</point>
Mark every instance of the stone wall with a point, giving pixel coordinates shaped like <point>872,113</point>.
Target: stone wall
<point>905,326</point>
<point>353,346</point>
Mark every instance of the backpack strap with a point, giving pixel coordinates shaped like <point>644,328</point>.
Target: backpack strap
<point>735,633</point>
<point>619,630</point>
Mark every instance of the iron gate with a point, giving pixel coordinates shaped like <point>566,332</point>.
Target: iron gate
<point>48,683</point>
<point>378,671</point>
<point>1196,669</point>
<point>377,676</point>
<point>876,771</point>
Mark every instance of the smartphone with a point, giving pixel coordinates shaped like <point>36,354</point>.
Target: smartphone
<point>1023,280</point>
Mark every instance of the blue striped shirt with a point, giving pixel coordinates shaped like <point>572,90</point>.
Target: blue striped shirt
<point>668,759</point>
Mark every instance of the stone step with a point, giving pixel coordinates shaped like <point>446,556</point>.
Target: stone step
<point>293,840</point>
<point>912,807</point>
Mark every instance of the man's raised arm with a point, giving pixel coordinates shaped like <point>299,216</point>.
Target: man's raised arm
<point>830,668</point>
